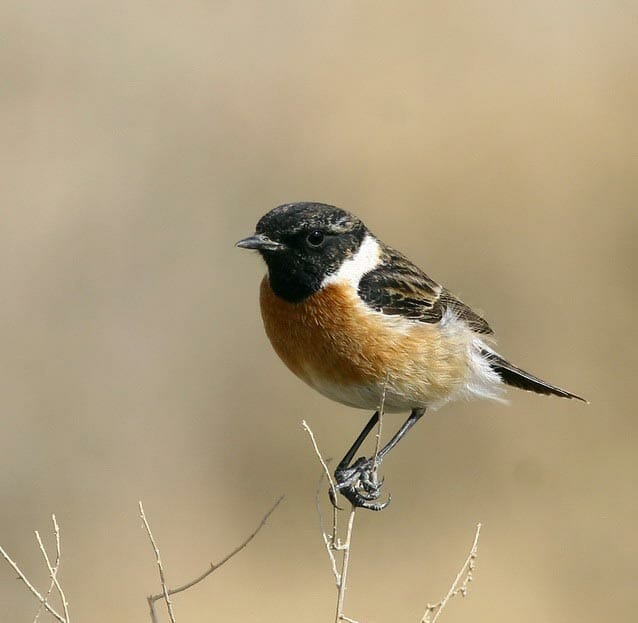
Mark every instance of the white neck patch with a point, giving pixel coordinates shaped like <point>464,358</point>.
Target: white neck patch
<point>362,262</point>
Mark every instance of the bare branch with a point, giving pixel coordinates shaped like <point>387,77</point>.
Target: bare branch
<point>30,586</point>
<point>320,457</point>
<point>333,487</point>
<point>460,585</point>
<point>332,542</point>
<point>166,592</point>
<point>377,447</point>
<point>328,539</point>
<point>53,570</point>
<point>160,567</point>
<point>345,564</point>
<point>56,566</point>
<point>225,559</point>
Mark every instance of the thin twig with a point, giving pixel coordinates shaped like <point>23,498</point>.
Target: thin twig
<point>333,486</point>
<point>459,586</point>
<point>225,559</point>
<point>56,567</point>
<point>375,461</point>
<point>345,564</point>
<point>328,540</point>
<point>53,571</point>
<point>160,567</point>
<point>321,459</point>
<point>30,586</point>
<point>332,542</point>
<point>380,424</point>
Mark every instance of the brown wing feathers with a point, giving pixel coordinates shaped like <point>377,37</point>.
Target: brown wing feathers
<point>399,287</point>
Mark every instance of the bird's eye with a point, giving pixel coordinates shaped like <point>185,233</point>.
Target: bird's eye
<point>315,238</point>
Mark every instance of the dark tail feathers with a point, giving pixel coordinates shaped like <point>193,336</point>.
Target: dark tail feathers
<point>524,380</point>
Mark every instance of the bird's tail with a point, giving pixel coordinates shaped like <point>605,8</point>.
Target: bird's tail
<point>524,380</point>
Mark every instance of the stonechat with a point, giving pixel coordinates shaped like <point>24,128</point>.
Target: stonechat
<point>357,321</point>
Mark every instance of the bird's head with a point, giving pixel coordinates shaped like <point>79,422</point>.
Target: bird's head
<point>303,244</point>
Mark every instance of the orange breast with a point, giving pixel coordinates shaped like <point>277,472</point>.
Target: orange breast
<point>332,337</point>
<point>321,335</point>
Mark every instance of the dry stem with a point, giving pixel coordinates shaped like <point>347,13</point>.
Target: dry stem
<point>328,539</point>
<point>53,572</point>
<point>460,585</point>
<point>53,569</point>
<point>158,560</point>
<point>345,564</point>
<point>167,592</point>
<point>324,464</point>
<point>332,542</point>
<point>380,425</point>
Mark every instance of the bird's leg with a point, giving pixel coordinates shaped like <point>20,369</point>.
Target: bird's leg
<point>415,416</point>
<point>358,482</point>
<point>372,422</point>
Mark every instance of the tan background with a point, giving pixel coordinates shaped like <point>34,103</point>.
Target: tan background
<point>495,143</point>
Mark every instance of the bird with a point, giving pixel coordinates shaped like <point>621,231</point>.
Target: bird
<point>361,324</point>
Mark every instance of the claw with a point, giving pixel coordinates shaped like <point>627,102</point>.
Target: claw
<point>358,482</point>
<point>333,499</point>
<point>360,485</point>
<point>364,495</point>
<point>370,484</point>
<point>356,499</point>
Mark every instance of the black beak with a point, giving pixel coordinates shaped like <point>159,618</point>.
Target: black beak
<point>261,243</point>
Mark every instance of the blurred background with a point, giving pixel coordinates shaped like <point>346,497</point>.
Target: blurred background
<point>494,143</point>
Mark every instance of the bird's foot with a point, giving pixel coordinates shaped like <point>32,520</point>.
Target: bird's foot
<point>360,485</point>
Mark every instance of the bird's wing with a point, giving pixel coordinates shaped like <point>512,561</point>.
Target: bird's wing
<point>398,287</point>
